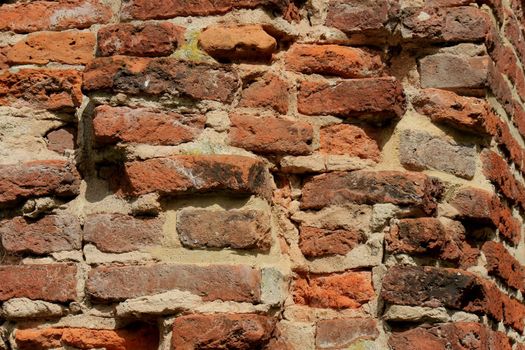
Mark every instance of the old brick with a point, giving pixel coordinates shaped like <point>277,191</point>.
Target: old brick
<point>158,9</point>
<point>38,178</point>
<point>229,42</point>
<point>369,187</point>
<point>348,98</point>
<point>269,91</point>
<point>445,24</point>
<point>62,139</point>
<point>318,242</point>
<point>345,62</point>
<point>513,312</point>
<point>351,16</point>
<point>157,76</point>
<point>503,265</point>
<point>341,333</point>
<point>237,229</point>
<point>42,88</point>
<point>215,282</point>
<point>45,47</point>
<point>346,290</point>
<point>52,233</point>
<point>454,72</point>
<point>350,140</point>
<point>148,39</point>
<point>143,125</point>
<point>189,174</point>
<point>420,150</point>
<point>442,106</point>
<point>227,331</point>
<point>454,336</point>
<point>54,282</point>
<point>142,337</point>
<point>118,233</point>
<point>40,15</point>
<point>270,134</point>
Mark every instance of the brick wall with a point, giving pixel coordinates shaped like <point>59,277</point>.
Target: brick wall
<point>262,174</point>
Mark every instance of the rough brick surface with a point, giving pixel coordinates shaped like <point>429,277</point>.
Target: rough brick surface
<point>344,139</point>
<point>340,333</point>
<point>270,91</point>
<point>316,242</point>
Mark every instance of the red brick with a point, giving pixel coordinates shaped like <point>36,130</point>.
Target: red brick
<point>119,233</point>
<point>500,88</point>
<point>338,291</point>
<point>269,91</point>
<point>142,337</point>
<point>446,107</point>
<point>62,139</point>
<point>502,264</point>
<point>227,331</point>
<point>445,24</point>
<point>350,98</point>
<point>270,134</point>
<point>142,125</point>
<point>514,33</point>
<point>456,73</point>
<point>158,76</point>
<point>513,313</point>
<point>236,229</point>
<point>371,187</point>
<point>158,9</point>
<point>453,336</point>
<point>52,233</point>
<point>43,88</point>
<point>147,39</point>
<point>189,174</point>
<point>214,282</point>
<point>54,282</point>
<point>237,42</point>
<point>341,333</point>
<point>45,47</point>
<point>318,242</point>
<point>350,140</point>
<point>38,178</point>
<point>52,15</point>
<point>336,60</point>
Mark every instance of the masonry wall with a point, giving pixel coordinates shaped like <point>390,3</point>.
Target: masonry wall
<point>262,174</point>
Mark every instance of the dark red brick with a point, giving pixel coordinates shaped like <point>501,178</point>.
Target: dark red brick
<point>318,242</point>
<point>502,264</point>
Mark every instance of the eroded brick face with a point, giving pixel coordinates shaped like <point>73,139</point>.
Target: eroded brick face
<point>262,174</point>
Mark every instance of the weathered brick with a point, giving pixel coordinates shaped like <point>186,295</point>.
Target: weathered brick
<point>350,98</point>
<point>420,150</point>
<point>38,178</point>
<point>442,106</point>
<point>350,140</point>
<point>237,229</point>
<point>270,134</point>
<point>42,88</point>
<point>157,76</point>
<point>228,331</point>
<point>342,61</point>
<point>270,91</point>
<point>158,9</point>
<point>370,187</point>
<point>444,24</point>
<point>52,233</point>
<point>53,282</point>
<point>237,42</point>
<point>318,242</point>
<point>147,39</point>
<point>189,174</point>
<point>119,233</point>
<point>215,282</point>
<point>144,337</point>
<point>346,290</point>
<point>454,72</point>
<point>45,47</point>
<point>431,237</point>
<point>503,265</point>
<point>341,333</point>
<point>62,139</point>
<point>143,125</point>
<point>455,336</point>
<point>40,15</point>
